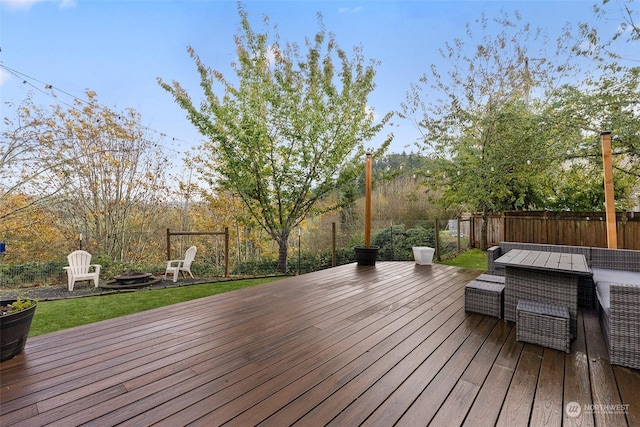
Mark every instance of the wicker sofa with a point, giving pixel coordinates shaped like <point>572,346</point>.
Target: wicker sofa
<point>614,287</point>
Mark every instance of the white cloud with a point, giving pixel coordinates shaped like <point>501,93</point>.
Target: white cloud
<point>19,4</point>
<point>350,9</point>
<point>28,4</point>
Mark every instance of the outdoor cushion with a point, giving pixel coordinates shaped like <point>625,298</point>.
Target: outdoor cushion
<point>603,279</point>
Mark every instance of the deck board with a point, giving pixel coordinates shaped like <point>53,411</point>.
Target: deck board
<point>384,345</point>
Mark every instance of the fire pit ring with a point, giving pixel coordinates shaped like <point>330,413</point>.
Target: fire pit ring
<point>131,279</point>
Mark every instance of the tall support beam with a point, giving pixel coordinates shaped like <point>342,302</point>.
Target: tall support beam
<point>607,164</point>
<point>367,198</point>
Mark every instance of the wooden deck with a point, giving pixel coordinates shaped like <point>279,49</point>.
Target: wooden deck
<point>376,346</point>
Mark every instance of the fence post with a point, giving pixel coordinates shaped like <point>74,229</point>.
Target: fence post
<point>504,227</point>
<point>437,241</point>
<point>623,231</point>
<point>458,227</point>
<point>168,244</point>
<point>226,252</point>
<point>333,244</point>
<point>472,231</point>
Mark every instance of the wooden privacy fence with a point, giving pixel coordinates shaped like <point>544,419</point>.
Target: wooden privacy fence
<point>557,228</point>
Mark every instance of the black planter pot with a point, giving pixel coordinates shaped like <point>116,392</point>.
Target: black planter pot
<point>14,329</point>
<point>366,256</point>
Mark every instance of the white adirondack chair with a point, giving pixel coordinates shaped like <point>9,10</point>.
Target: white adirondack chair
<point>80,268</point>
<point>175,266</point>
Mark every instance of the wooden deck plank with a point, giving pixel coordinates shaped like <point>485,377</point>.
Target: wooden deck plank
<point>382,345</point>
<point>577,386</point>
<point>363,395</point>
<point>547,406</point>
<point>435,393</point>
<point>226,372</point>
<point>486,408</point>
<point>603,385</point>
<point>516,408</point>
<point>366,355</point>
<point>315,396</point>
<point>273,380</point>
<point>232,386</point>
<point>628,385</point>
<point>455,409</point>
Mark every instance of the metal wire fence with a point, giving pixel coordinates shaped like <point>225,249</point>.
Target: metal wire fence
<point>325,246</point>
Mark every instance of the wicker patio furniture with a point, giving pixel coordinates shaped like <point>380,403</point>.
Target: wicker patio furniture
<point>586,287</point>
<point>494,278</point>
<point>484,298</point>
<point>546,277</point>
<point>619,312</point>
<point>543,324</point>
<point>615,283</point>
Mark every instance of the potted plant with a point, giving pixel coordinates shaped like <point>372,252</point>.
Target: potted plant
<point>367,254</point>
<point>15,321</point>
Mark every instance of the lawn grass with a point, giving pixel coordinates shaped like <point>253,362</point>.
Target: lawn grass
<point>52,316</point>
<point>473,258</point>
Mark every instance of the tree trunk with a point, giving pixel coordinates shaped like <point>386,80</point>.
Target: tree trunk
<point>283,250</point>
<point>483,232</point>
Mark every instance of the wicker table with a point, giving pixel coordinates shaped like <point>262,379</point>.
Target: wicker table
<point>547,277</point>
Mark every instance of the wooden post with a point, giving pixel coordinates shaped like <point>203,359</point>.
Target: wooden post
<point>458,227</point>
<point>226,252</point>
<point>168,244</point>
<point>367,206</point>
<point>472,231</point>
<point>612,233</point>
<point>437,237</point>
<point>333,244</point>
<point>505,235</point>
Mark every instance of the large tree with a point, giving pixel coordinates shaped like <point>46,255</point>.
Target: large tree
<point>94,167</point>
<point>116,177</point>
<point>484,117</point>
<point>288,129</point>
<point>608,98</point>
<point>28,162</point>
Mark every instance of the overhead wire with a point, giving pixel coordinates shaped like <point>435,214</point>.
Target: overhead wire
<point>48,91</point>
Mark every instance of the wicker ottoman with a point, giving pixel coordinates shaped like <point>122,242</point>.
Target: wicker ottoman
<point>543,324</point>
<point>491,278</point>
<point>484,298</point>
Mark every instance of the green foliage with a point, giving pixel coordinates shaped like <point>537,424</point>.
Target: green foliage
<point>290,132</point>
<point>264,266</point>
<point>20,304</point>
<point>608,100</point>
<point>581,188</point>
<point>508,133</point>
<point>397,242</point>
<point>34,273</point>
<point>110,267</point>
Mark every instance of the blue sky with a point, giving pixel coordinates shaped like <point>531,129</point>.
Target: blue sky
<point>119,47</point>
